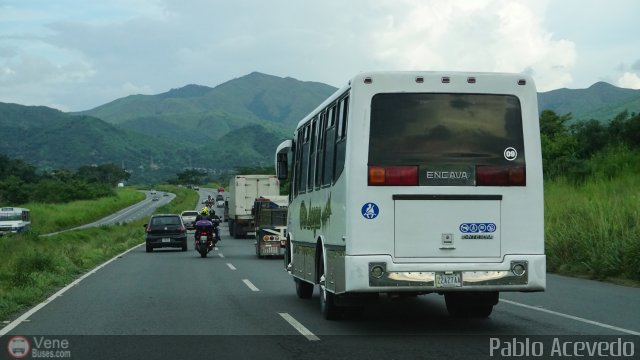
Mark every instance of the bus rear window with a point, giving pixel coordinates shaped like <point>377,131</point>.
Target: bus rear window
<point>447,136</point>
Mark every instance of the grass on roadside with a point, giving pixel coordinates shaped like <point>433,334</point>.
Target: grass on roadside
<point>48,218</point>
<point>593,229</point>
<point>33,267</point>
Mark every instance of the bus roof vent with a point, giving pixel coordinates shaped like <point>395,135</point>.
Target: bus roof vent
<point>446,80</point>
<point>368,80</point>
<point>419,79</point>
<point>522,82</point>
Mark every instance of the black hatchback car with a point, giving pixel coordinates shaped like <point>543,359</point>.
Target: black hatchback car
<point>166,230</point>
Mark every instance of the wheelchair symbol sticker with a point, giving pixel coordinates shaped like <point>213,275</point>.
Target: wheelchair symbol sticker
<point>477,228</point>
<point>370,211</point>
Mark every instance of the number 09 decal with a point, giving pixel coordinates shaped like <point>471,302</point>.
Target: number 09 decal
<point>510,154</point>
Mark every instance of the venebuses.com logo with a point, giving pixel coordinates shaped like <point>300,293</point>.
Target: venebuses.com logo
<point>18,347</point>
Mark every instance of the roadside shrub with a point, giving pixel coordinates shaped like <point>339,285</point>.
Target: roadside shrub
<point>29,263</point>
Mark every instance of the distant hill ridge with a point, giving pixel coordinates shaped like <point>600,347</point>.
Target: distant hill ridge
<point>601,101</point>
<point>237,123</point>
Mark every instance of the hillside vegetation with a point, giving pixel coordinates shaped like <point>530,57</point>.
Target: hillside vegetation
<point>601,102</point>
<point>592,182</point>
<point>154,137</point>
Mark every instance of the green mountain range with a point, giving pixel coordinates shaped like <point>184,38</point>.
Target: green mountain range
<point>238,123</point>
<point>199,115</point>
<point>601,101</point>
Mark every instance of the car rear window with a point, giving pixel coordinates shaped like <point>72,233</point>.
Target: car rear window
<point>165,220</point>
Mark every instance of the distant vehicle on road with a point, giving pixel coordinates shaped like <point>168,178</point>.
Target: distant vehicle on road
<point>196,188</point>
<point>219,201</point>
<point>270,216</point>
<point>155,198</point>
<point>152,192</point>
<point>189,218</point>
<point>165,230</point>
<point>14,220</point>
<point>244,189</point>
<point>220,189</point>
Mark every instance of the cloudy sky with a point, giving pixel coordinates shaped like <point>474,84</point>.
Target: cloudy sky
<point>77,54</point>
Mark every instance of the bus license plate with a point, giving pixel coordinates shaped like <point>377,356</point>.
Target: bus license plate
<point>165,240</point>
<point>448,280</point>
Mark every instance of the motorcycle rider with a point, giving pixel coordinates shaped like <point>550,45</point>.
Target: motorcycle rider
<point>203,214</point>
<point>215,219</point>
<point>211,216</point>
<point>203,223</point>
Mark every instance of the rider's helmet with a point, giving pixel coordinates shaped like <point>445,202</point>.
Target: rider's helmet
<point>204,211</point>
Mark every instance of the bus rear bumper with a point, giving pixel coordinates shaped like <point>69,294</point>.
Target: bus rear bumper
<point>381,274</point>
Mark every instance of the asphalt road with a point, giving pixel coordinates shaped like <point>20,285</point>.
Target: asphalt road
<point>234,305</point>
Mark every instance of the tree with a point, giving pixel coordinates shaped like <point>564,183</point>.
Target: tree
<point>552,125</point>
<point>190,176</point>
<point>110,174</point>
<point>13,191</point>
<point>18,168</point>
<point>591,137</point>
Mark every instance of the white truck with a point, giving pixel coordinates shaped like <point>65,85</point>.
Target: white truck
<point>244,189</point>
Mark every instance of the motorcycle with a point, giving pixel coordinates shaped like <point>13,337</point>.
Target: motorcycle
<point>205,237</point>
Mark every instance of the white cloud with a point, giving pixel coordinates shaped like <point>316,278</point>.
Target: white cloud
<point>129,88</point>
<point>487,35</point>
<point>629,80</point>
<point>95,51</point>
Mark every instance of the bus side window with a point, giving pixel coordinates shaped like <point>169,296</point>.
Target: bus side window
<point>341,140</point>
<point>329,148</point>
<point>320,153</point>
<point>312,155</point>
<point>298,156</point>
<point>304,161</point>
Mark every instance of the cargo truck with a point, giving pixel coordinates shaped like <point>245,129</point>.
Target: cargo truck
<point>243,191</point>
<point>270,216</point>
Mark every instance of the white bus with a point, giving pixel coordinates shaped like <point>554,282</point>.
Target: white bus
<point>14,220</point>
<point>409,183</point>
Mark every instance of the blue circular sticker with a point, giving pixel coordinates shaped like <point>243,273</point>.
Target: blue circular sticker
<point>370,211</point>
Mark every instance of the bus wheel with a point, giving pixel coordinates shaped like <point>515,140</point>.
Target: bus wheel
<point>470,305</point>
<point>328,307</point>
<point>304,290</point>
<point>287,256</point>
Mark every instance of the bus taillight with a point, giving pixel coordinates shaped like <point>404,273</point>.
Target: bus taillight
<point>500,176</point>
<point>393,176</point>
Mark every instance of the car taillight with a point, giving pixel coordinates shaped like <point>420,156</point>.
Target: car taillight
<point>393,175</point>
<point>501,176</point>
<point>204,233</point>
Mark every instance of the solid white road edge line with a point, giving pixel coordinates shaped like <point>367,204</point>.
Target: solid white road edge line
<point>301,329</point>
<point>250,285</point>
<point>231,266</point>
<point>587,321</point>
<point>33,310</point>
